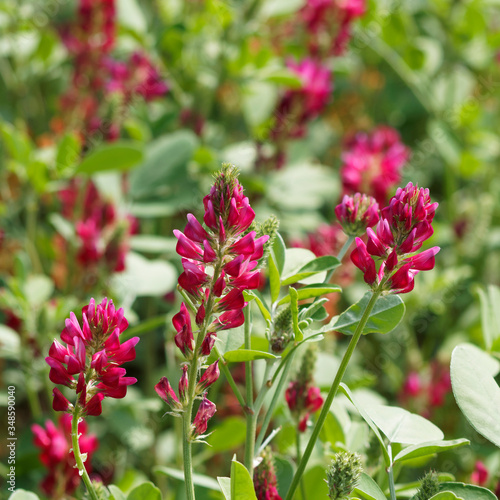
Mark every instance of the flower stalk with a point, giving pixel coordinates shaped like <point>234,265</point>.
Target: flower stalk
<point>331,394</point>
<point>82,471</point>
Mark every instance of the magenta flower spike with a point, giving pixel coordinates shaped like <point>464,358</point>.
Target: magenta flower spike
<point>404,226</point>
<point>89,364</point>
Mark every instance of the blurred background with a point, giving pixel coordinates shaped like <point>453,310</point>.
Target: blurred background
<point>114,114</point>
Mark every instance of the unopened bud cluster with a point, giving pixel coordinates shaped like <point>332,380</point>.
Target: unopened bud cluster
<point>356,213</point>
<point>428,487</point>
<point>343,475</point>
<point>264,478</point>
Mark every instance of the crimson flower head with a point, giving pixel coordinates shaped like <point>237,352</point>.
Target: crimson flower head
<point>356,213</point>
<point>372,163</point>
<point>90,361</point>
<point>404,226</point>
<point>55,445</point>
<point>264,478</point>
<point>302,397</point>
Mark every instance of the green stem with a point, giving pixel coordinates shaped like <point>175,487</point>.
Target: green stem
<point>274,400</point>
<point>331,394</point>
<point>187,456</point>
<point>227,373</point>
<point>78,457</point>
<point>344,249</point>
<point>297,458</point>
<point>250,414</point>
<point>391,474</point>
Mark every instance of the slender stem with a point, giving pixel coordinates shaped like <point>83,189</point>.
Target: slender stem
<point>390,472</point>
<point>251,416</point>
<point>186,451</point>
<point>331,394</point>
<point>345,247</point>
<point>227,373</point>
<point>297,458</point>
<point>78,457</point>
<point>274,400</point>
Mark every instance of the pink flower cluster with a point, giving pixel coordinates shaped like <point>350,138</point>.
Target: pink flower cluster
<point>299,106</point>
<point>404,226</point>
<point>328,23</point>
<point>55,445</point>
<point>224,245</point>
<point>303,399</point>
<point>326,240</point>
<point>101,234</point>
<point>90,362</point>
<point>424,392</point>
<point>97,77</point>
<point>372,163</point>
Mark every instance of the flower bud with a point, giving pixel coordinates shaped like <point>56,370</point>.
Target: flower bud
<point>281,333</point>
<point>264,478</point>
<point>343,475</point>
<point>209,377</point>
<point>357,213</point>
<point>429,486</point>
<point>205,412</point>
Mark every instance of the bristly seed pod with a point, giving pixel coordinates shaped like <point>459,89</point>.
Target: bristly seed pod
<point>343,475</point>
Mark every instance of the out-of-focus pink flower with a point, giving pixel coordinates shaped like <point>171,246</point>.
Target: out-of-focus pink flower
<point>89,363</point>
<point>480,474</point>
<point>326,240</point>
<point>264,478</point>
<point>205,412</point>
<point>357,213</point>
<point>372,163</point>
<point>328,23</point>
<point>55,445</point>
<point>299,106</point>
<point>404,226</point>
<point>412,385</point>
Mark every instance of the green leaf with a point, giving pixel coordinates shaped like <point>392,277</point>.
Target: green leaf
<point>241,483</point>
<point>198,479</point>
<point>23,495</point>
<point>120,155</point>
<point>145,491</point>
<point>165,165</point>
<point>444,495</point>
<point>294,309</point>
<point>259,300</point>
<point>475,390</point>
<point>146,278</point>
<point>315,266</point>
<point>259,101</point>
<point>385,316</point>
<point>490,319</point>
<point>225,486</point>
<point>274,278</point>
<point>428,448</point>
<point>368,489</point>
<point>38,289</point>
<point>368,420</point>
<point>65,228</point>
<point>68,152</point>
<point>17,143</point>
<point>10,343</point>
<point>468,491</point>
<point>279,250</point>
<point>310,291</point>
<point>229,435</point>
<point>149,243</point>
<point>239,355</point>
<point>401,426</point>
<point>116,493</point>
<point>282,76</point>
<point>230,340</point>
